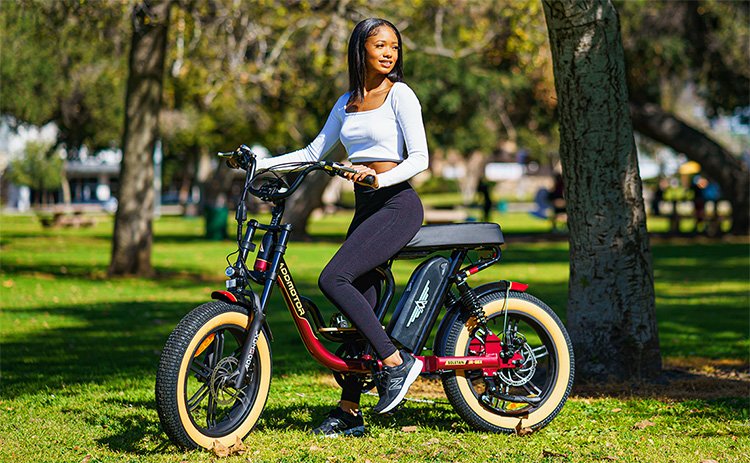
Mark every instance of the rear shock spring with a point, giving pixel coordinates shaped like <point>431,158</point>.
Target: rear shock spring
<point>470,300</point>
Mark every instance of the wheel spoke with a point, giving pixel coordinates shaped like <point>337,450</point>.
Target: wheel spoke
<point>200,369</point>
<point>218,349</point>
<point>531,388</point>
<point>211,411</point>
<point>540,352</point>
<point>198,397</point>
<point>504,404</point>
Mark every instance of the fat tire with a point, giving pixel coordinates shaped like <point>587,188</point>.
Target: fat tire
<point>466,405</point>
<point>168,388</point>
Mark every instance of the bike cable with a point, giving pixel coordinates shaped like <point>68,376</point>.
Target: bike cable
<point>286,167</point>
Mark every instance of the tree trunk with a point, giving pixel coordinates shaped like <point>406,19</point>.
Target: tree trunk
<point>611,311</point>
<point>720,165</point>
<point>474,164</point>
<point>217,185</point>
<point>308,198</point>
<point>65,186</point>
<point>186,183</point>
<point>131,244</point>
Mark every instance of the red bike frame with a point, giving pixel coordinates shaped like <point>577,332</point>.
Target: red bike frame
<point>489,363</point>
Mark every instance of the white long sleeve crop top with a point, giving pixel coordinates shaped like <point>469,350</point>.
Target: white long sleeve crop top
<point>375,135</point>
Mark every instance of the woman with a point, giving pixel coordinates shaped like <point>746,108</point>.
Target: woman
<point>375,121</point>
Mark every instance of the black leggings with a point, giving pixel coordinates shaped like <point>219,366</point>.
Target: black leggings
<point>384,221</point>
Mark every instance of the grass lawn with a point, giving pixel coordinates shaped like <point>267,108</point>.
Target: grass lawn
<point>79,354</point>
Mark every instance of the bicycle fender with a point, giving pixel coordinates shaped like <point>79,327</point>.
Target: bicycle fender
<point>455,310</point>
<point>230,298</point>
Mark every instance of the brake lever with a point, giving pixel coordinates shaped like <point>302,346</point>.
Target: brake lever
<point>238,158</point>
<point>344,168</point>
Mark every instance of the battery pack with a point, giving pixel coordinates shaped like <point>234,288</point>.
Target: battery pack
<point>419,306</point>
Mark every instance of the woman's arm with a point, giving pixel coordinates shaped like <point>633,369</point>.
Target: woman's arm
<point>320,146</point>
<point>409,117</point>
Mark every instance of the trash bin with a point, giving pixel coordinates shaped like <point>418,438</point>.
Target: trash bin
<point>216,222</point>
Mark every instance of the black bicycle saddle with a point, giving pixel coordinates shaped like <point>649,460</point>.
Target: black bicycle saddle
<point>456,235</point>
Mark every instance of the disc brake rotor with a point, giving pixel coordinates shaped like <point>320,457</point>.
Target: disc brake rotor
<point>221,383</point>
<point>523,373</point>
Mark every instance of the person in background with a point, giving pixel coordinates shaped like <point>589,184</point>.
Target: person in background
<point>697,187</point>
<point>712,195</point>
<point>658,197</point>
<point>483,189</point>
<point>557,200</point>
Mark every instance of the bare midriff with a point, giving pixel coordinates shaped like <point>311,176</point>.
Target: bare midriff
<point>379,166</point>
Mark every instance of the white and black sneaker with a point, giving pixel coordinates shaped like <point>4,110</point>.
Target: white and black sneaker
<point>393,382</point>
<point>340,423</point>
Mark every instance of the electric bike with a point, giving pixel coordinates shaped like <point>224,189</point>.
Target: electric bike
<point>504,357</point>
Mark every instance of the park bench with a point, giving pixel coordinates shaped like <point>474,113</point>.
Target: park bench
<point>442,216</point>
<point>68,219</point>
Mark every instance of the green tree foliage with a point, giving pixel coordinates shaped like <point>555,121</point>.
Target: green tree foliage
<point>64,62</point>
<point>36,169</point>
<point>671,46</point>
<point>668,44</point>
<point>254,72</point>
<point>268,71</point>
<point>481,72</point>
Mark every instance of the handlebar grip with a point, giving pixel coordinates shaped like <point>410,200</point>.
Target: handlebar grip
<point>369,180</point>
<point>340,169</point>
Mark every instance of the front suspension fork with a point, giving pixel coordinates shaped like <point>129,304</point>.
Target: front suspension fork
<point>259,310</point>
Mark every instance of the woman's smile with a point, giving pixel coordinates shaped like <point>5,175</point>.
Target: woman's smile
<point>386,63</point>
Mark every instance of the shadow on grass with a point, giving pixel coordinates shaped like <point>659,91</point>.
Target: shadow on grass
<point>128,433</point>
<point>168,276</point>
<point>103,342</point>
<point>305,418</point>
<point>99,342</point>
<point>713,396</point>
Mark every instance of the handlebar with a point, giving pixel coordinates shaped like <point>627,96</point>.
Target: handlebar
<point>339,169</point>
<point>244,158</point>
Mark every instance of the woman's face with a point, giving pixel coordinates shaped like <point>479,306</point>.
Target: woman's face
<point>381,51</point>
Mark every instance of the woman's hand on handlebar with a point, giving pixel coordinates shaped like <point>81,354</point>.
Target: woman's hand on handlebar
<point>361,174</point>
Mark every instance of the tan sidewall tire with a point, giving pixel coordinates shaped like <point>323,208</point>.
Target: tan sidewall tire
<point>264,359</point>
<point>562,382</point>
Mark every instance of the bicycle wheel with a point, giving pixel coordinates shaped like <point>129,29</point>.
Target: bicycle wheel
<point>195,395</point>
<point>543,380</point>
